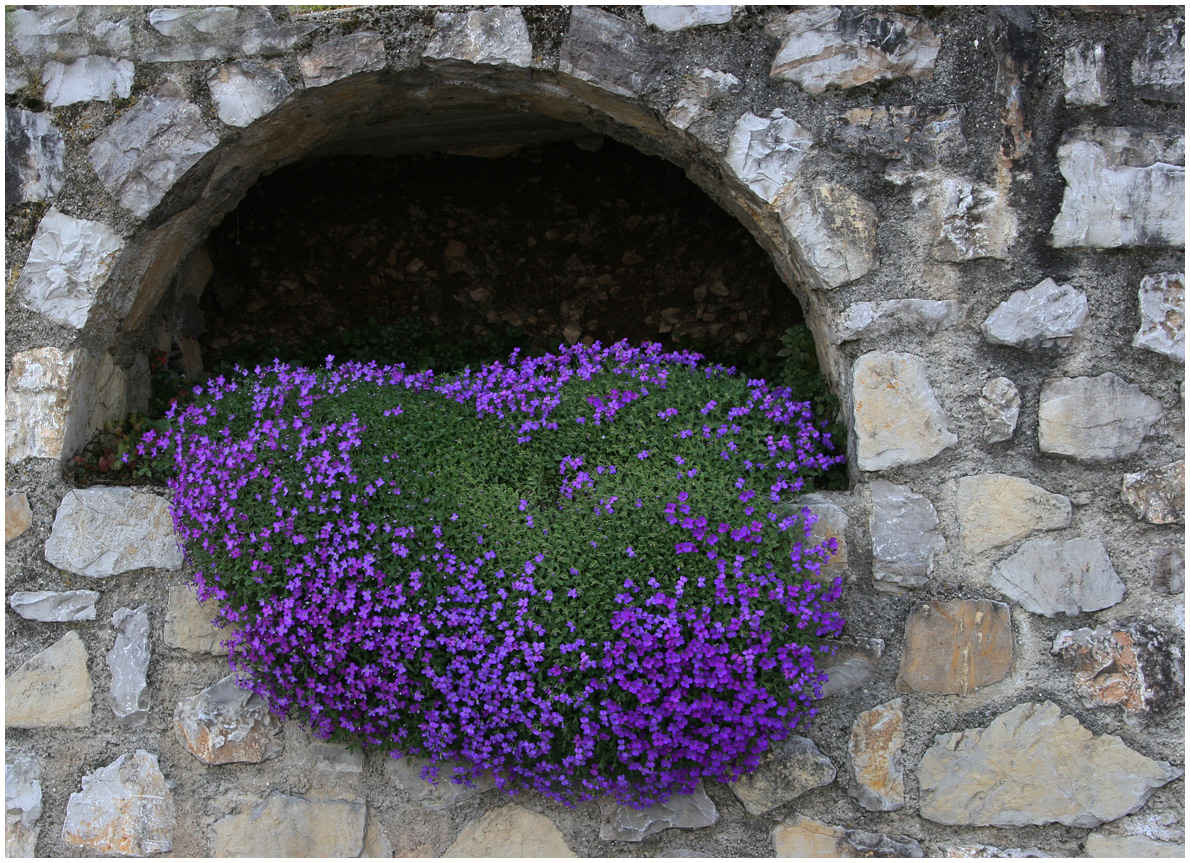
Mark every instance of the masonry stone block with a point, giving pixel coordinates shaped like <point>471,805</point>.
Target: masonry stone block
<point>897,418</point>
<point>511,831</point>
<point>52,689</point>
<point>33,154</point>
<point>1094,419</point>
<point>100,532</point>
<point>1162,299</point>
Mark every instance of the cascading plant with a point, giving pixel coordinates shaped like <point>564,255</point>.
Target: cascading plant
<point>582,573</point>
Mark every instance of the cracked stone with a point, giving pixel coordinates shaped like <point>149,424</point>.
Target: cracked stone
<point>792,768</point>
<point>706,90</point>
<point>496,36</point>
<point>51,689</point>
<point>22,803</point>
<point>50,607</point>
<point>1000,403</point>
<point>244,91</point>
<point>764,154</point>
<point>100,532</point>
<point>218,32</point>
<point>898,420</point>
<point>805,837</point>
<point>124,809</point>
<point>1046,316</point>
<point>611,53</point>
<point>1137,668</point>
<point>1051,578</point>
<point>1159,70</point>
<point>129,663</point>
<point>875,776</point>
<point>971,220</point>
<point>995,509</point>
<point>878,320</point>
<point>905,537</point>
<point>955,647</point>
<point>834,231</point>
<point>320,823</point>
<point>1158,495</point>
<point>510,831</point>
<point>1162,299</point>
<point>1094,419</point>
<point>683,811</point>
<point>33,154</point>
<point>225,724</point>
<point>88,79</point>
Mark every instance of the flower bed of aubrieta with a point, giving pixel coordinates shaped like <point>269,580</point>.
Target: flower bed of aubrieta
<point>584,572</point>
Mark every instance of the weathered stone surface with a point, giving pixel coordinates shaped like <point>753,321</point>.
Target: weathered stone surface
<point>1137,668</point>
<point>50,607</point>
<point>1124,187</point>
<point>1162,330</point>
<point>685,811</point>
<point>1051,578</point>
<point>1169,569</point>
<point>110,393</point>
<point>830,523</point>
<point>995,509</point>
<point>88,79</point>
<point>875,776</point>
<point>764,154</point>
<point>244,91</point>
<point>1000,403</point>
<point>376,843</point>
<point>830,47</point>
<point>952,648</point>
<point>1157,496</point>
<point>321,823</point>
<point>218,32</point>
<point>1094,419</point>
<point>852,665</point>
<point>804,837</point>
<point>1131,847</point>
<point>14,80</point>
<point>148,148</point>
<point>124,809</point>
<point>905,537</point>
<point>1159,70</point>
<point>37,403</point>
<point>129,663</point>
<point>833,229</point>
<point>915,135</point>
<point>189,626</point>
<point>406,774</point>
<point>224,724</point>
<point>706,90</point>
<point>1069,776</point>
<point>51,689</point>
<point>510,831</point>
<point>99,532</point>
<point>1048,315</point>
<point>878,320</point>
<point>18,518</point>
<point>672,18</point>
<point>33,151</point>
<point>970,220</point>
<point>611,53</point>
<point>793,767</point>
<point>22,803</point>
<point>897,417</point>
<point>496,36</point>
<point>340,58</point>
<point>987,852</point>
<point>1084,72</point>
<point>45,30</point>
<point>337,757</point>
<point>68,263</point>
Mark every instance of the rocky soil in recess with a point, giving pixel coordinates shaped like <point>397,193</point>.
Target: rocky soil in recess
<point>542,246</point>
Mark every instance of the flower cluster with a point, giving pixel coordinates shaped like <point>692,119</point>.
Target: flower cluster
<point>584,573</point>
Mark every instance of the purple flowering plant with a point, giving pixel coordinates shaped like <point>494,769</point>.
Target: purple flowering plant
<point>584,573</point>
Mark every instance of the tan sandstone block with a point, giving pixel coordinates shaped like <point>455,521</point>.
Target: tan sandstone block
<point>954,647</point>
<point>189,626</point>
<point>995,509</point>
<point>18,518</point>
<point>512,831</point>
<point>51,689</point>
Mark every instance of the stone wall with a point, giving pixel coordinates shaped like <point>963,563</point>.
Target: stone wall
<point>982,214</point>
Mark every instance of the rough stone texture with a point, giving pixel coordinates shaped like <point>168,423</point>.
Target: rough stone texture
<point>99,532</point>
<point>1000,403</point>
<point>672,18</point>
<point>1124,187</point>
<point>852,666</point>
<point>705,91</point>
<point>831,523</point>
<point>88,79</point>
<point>914,135</point>
<point>792,768</point>
<point>337,757</point>
<point>970,220</point>
<point>875,776</point>
<point>905,537</point>
<point>804,837</point>
<point>1050,578</point>
<point>1131,847</point>
<point>1084,73</point>
<point>224,724</point>
<point>1159,71</point>
<point>22,803</point>
<point>511,831</point>
<point>376,843</point>
<point>342,57</point>
<point>1169,569</point>
<point>495,37</point>
<point>1137,668</point>
<point>685,811</point>
<point>897,418</point>
<point>1162,299</point>
<point>50,607</point>
<point>33,152</point>
<point>51,689</point>
<point>405,773</point>
<point>834,231</point>
<point>1157,496</point>
<point>1048,315</point>
<point>244,91</point>
<point>124,809</point>
<point>613,54</point>
<point>995,509</point>
<point>68,263</point>
<point>765,153</point>
<point>321,823</point>
<point>830,47</point>
<point>129,663</point>
<point>1071,777</point>
<point>1094,419</point>
<point>110,389</point>
<point>988,852</point>
<point>955,647</point>
<point>148,148</point>
<point>18,517</point>
<point>878,320</point>
<point>188,623</point>
<point>217,33</point>
<point>37,403</point>
<point>48,29</point>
